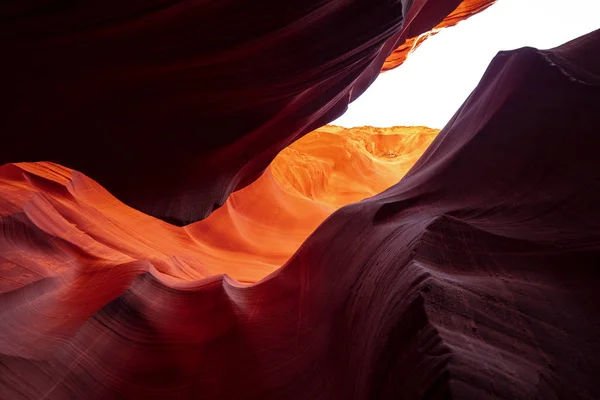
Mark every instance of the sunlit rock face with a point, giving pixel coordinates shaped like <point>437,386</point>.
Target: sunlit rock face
<point>254,233</point>
<point>418,34</point>
<point>173,105</point>
<point>474,277</point>
<point>262,225</point>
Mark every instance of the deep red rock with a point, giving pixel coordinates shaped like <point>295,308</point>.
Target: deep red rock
<point>476,276</point>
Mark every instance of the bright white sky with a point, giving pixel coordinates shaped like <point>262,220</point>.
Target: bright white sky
<point>435,80</point>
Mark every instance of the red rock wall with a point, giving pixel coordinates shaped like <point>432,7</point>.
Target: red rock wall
<point>476,276</point>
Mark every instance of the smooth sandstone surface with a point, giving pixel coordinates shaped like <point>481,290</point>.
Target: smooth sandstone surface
<point>262,225</point>
<point>475,277</point>
<point>172,105</point>
<point>254,233</point>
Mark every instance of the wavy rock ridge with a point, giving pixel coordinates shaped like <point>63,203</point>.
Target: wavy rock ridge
<point>254,233</point>
<point>474,277</point>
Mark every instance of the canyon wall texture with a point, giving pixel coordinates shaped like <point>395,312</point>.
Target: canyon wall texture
<point>172,105</point>
<point>262,225</point>
<point>476,276</point>
<point>254,233</point>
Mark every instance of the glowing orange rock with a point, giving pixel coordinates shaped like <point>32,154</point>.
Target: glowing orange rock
<point>465,10</point>
<point>262,225</point>
<point>254,233</point>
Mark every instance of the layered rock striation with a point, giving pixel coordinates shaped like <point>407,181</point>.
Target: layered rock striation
<point>476,276</point>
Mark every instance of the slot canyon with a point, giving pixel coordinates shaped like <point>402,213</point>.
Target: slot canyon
<point>181,216</point>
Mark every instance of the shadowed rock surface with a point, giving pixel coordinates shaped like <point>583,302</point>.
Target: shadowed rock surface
<point>416,35</point>
<point>172,105</point>
<point>476,276</point>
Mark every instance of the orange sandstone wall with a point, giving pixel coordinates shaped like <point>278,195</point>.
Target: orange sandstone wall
<point>254,233</point>
<point>474,277</point>
<point>262,225</point>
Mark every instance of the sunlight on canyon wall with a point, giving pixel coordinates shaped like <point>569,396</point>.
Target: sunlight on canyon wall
<point>253,234</point>
<point>307,182</point>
